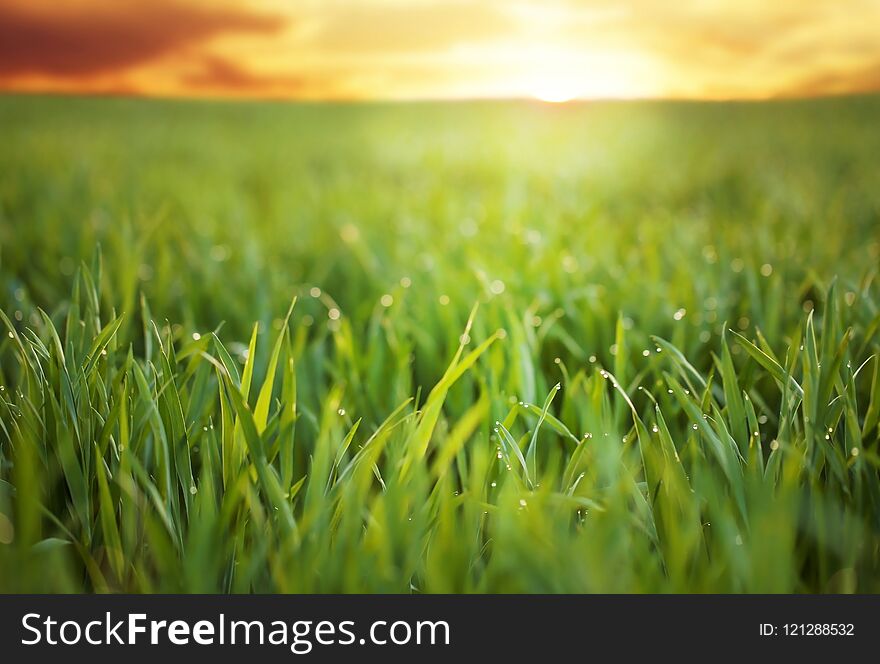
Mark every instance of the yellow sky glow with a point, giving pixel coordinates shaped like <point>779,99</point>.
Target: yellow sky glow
<point>554,50</point>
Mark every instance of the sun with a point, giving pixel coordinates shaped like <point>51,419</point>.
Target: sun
<point>559,77</point>
<point>553,87</point>
<point>554,94</point>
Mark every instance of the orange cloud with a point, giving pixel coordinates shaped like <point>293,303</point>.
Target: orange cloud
<point>863,79</point>
<point>220,75</point>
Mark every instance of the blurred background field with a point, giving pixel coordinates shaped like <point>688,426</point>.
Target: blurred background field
<point>634,238</point>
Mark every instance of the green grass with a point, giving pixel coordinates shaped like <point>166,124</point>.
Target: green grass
<point>600,347</point>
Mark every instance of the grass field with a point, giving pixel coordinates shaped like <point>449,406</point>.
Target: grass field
<point>611,347</point>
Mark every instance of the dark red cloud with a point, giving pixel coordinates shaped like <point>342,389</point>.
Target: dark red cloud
<point>113,37</point>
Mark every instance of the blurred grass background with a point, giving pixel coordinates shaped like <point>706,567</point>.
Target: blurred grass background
<point>629,238</point>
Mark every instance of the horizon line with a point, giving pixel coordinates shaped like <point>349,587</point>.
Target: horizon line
<point>353,101</point>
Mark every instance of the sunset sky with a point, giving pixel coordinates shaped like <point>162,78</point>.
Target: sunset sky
<point>406,49</point>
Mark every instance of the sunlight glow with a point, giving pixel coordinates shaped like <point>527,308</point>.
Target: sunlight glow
<point>556,75</point>
<point>552,50</point>
<point>554,93</point>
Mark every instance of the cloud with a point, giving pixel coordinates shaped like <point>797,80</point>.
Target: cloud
<point>110,37</point>
<point>747,48</point>
<point>218,74</point>
<point>688,30</point>
<point>411,28</point>
<point>835,81</point>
